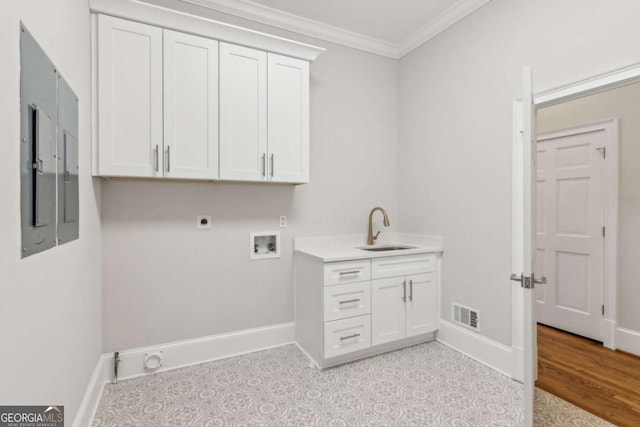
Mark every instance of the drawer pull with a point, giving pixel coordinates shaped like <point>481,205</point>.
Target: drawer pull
<point>349,337</point>
<point>344,273</point>
<point>410,290</point>
<point>350,301</point>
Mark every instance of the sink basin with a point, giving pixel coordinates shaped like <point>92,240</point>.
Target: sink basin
<point>388,247</point>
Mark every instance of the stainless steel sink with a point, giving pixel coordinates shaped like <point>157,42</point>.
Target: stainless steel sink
<point>389,247</point>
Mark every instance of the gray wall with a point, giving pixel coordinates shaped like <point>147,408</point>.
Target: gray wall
<point>50,302</point>
<point>164,280</point>
<point>623,103</point>
<point>456,96</point>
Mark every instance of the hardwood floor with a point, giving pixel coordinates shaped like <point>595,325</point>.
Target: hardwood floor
<point>583,372</point>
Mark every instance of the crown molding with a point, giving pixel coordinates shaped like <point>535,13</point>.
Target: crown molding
<point>288,21</point>
<point>298,24</point>
<point>451,16</point>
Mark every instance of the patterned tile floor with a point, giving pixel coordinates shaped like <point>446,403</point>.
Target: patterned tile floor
<point>424,385</point>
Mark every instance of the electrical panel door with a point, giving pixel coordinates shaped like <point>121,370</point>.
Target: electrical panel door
<point>48,152</point>
<point>38,104</point>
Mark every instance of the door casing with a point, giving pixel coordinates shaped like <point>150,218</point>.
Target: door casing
<point>610,79</point>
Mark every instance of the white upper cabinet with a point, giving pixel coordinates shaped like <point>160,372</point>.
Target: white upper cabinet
<point>129,98</point>
<point>264,116</point>
<point>243,113</point>
<point>190,106</point>
<point>288,119</point>
<point>182,106</point>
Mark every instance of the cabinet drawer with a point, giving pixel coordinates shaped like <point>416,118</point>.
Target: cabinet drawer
<point>336,273</point>
<point>402,265</point>
<point>349,300</point>
<point>347,335</point>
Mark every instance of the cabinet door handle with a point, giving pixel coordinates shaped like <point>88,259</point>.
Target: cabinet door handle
<point>344,273</point>
<point>264,164</point>
<point>157,160</point>
<point>272,165</point>
<point>410,290</point>
<point>404,291</point>
<point>349,301</point>
<point>349,337</point>
<point>168,158</point>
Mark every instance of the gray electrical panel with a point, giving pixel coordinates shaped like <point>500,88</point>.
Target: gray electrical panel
<point>48,151</point>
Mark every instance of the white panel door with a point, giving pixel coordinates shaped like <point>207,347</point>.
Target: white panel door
<point>190,106</point>
<point>288,119</point>
<point>129,98</point>
<point>570,241</point>
<point>243,113</point>
<point>388,309</point>
<point>422,304</point>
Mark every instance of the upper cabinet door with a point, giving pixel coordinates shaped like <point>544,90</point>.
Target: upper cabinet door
<point>129,98</point>
<point>243,113</point>
<point>190,106</point>
<point>288,123</point>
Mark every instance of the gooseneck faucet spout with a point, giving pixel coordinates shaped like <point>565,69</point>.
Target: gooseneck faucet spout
<point>370,237</point>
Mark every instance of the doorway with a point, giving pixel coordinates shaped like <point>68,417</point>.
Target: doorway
<point>598,271</point>
<point>617,322</point>
<point>571,229</point>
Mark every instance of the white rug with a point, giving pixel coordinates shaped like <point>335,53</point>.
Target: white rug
<point>424,385</point>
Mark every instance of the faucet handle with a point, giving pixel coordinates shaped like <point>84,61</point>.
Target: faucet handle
<point>376,236</point>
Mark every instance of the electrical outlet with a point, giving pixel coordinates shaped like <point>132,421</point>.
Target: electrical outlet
<point>203,221</point>
<point>283,221</point>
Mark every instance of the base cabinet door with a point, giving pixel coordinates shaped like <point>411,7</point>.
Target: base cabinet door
<point>387,310</point>
<point>422,304</point>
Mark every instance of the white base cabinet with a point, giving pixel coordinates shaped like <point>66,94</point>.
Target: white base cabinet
<point>403,307</point>
<point>356,308</point>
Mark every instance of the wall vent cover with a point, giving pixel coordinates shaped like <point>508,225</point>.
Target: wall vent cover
<point>465,316</point>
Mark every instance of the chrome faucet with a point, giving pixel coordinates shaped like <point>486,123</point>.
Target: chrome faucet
<point>370,237</point>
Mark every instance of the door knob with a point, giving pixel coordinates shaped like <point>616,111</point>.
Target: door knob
<point>541,281</point>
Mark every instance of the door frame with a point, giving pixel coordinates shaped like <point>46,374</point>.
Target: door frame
<point>609,79</point>
<point>610,204</point>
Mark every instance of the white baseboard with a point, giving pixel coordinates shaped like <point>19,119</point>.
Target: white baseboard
<point>179,354</point>
<point>486,351</point>
<point>628,340</point>
<point>91,398</point>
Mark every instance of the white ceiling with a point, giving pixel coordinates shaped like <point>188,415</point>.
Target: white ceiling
<point>386,27</point>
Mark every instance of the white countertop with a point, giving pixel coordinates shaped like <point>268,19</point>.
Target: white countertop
<point>344,248</point>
